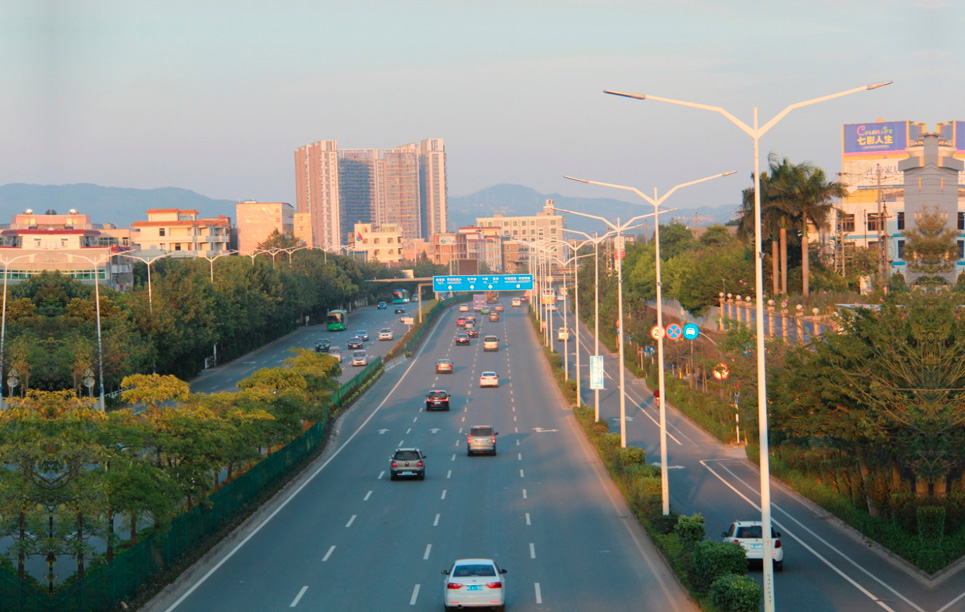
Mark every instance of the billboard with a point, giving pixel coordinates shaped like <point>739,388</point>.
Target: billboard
<point>875,138</point>
<point>861,173</point>
<point>959,136</point>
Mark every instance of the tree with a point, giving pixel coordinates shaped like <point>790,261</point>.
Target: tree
<point>931,249</point>
<point>277,240</point>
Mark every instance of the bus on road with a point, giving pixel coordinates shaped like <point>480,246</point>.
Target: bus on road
<point>400,296</point>
<point>337,320</point>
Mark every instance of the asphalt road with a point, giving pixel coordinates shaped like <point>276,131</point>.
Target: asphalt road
<point>345,537</point>
<point>827,566</point>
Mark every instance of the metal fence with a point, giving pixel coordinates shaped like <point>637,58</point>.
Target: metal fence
<point>105,587</point>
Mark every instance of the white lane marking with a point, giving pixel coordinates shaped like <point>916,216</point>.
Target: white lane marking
<point>539,594</point>
<point>367,496</point>
<point>415,419</point>
<point>524,494</point>
<point>519,456</point>
<point>463,419</point>
<point>833,567</point>
<point>381,474</point>
<point>435,523</point>
<point>298,597</point>
<point>443,494</point>
<point>351,520</point>
<point>415,595</point>
<point>425,556</point>
<point>514,418</point>
<point>408,431</point>
<point>329,553</point>
<point>532,550</point>
<point>527,519</point>
<point>449,474</point>
<point>517,441</point>
<point>521,474</point>
<point>400,443</point>
<point>454,455</point>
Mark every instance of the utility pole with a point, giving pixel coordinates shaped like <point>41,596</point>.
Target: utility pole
<point>882,236</point>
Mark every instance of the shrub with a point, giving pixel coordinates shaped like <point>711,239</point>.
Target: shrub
<point>931,524</point>
<point>632,456</point>
<point>736,593</point>
<point>664,523</point>
<point>715,559</point>
<point>690,529</point>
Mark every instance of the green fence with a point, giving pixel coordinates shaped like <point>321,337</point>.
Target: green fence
<point>105,587</point>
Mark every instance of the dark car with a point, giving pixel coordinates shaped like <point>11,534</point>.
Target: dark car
<point>472,332</point>
<point>382,306</point>
<point>462,339</point>
<point>364,335</point>
<point>355,343</point>
<point>322,345</point>
<point>400,310</point>
<point>408,463</point>
<point>437,399</point>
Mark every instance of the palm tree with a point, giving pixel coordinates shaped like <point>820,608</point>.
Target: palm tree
<point>774,220</point>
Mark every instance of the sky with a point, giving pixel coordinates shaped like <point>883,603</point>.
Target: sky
<point>215,96</point>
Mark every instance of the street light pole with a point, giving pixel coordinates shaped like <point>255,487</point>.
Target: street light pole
<point>97,303</point>
<point>656,201</point>
<point>756,133</point>
<point>148,261</point>
<point>3,317</point>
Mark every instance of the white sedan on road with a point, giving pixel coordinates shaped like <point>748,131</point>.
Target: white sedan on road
<point>489,379</point>
<point>474,583</point>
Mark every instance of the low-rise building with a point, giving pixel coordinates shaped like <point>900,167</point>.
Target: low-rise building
<point>382,244</point>
<point>178,230</point>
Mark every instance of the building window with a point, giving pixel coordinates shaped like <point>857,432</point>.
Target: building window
<point>37,242</point>
<point>901,221</point>
<point>872,222</point>
<point>846,223</point>
<point>961,220</point>
<point>901,249</point>
<point>177,246</point>
<point>161,232</point>
<point>961,249</point>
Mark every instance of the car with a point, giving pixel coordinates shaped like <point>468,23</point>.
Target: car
<point>474,583</point>
<point>472,332</point>
<point>336,352</point>
<point>748,535</point>
<point>484,310</point>
<point>498,308</point>
<point>444,366</point>
<point>562,334</point>
<point>437,399</point>
<point>471,319</point>
<point>517,302</point>
<point>360,358</point>
<point>463,307</point>
<point>462,339</point>
<point>382,306</point>
<point>364,335</point>
<point>481,439</point>
<point>490,343</point>
<point>461,322</point>
<point>494,317</point>
<point>354,343</point>
<point>322,346</point>
<point>489,379</point>
<point>385,334</point>
<point>400,310</point>
<point>407,463</point>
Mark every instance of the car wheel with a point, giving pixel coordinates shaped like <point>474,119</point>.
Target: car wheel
<point>494,452</point>
<point>422,476</point>
<point>778,566</point>
<point>392,476</point>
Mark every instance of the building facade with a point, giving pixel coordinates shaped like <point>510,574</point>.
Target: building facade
<point>405,186</point>
<point>257,220</point>
<point>382,244</point>
<point>178,230</point>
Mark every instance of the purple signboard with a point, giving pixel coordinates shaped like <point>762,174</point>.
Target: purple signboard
<point>883,137</point>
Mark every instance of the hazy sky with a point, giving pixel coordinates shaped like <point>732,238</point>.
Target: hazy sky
<point>215,96</point>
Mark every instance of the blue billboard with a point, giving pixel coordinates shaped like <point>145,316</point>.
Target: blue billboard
<point>487,282</point>
<point>871,138</point>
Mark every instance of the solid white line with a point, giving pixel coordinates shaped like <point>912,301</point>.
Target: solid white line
<point>425,556</point>
<point>443,494</point>
<point>527,519</point>
<point>298,597</point>
<point>415,595</point>
<point>351,520</point>
<point>532,550</point>
<point>329,553</point>
<point>820,557</point>
<point>539,595</point>
<point>367,496</point>
<point>655,422</point>
<point>435,523</point>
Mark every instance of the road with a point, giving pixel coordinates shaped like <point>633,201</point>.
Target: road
<point>828,567</point>
<point>345,537</point>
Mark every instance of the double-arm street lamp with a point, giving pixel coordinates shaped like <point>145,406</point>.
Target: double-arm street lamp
<point>148,261</point>
<point>94,262</point>
<point>656,201</point>
<point>3,320</point>
<point>756,133</point>
<point>211,261</point>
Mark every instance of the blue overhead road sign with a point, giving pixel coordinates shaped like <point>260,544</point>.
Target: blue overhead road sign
<point>487,282</point>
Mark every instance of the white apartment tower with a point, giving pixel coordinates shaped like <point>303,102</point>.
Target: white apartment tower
<point>317,192</point>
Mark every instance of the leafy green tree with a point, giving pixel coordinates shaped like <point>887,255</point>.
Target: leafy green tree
<point>931,249</point>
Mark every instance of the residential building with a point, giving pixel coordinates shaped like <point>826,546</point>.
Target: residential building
<point>178,230</point>
<point>302,227</point>
<point>382,244</point>
<point>341,187</point>
<point>256,221</point>
<point>544,225</point>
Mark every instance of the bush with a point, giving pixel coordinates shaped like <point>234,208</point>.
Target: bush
<point>736,593</point>
<point>690,529</point>
<point>664,524</point>
<point>715,559</point>
<point>632,456</point>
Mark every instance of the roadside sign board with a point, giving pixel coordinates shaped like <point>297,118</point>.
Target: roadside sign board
<point>674,331</point>
<point>650,349</point>
<point>596,371</point>
<point>489,282</point>
<point>691,331</point>
<point>656,332</point>
<point>721,372</point>
<point>408,320</point>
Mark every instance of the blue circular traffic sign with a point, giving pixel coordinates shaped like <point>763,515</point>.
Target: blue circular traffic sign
<point>674,331</point>
<point>691,331</point>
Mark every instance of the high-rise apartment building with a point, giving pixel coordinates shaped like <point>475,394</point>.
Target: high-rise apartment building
<point>404,186</point>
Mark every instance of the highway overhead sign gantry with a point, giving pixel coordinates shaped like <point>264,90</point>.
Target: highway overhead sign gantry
<point>482,282</point>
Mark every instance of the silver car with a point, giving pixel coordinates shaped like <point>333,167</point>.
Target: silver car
<point>474,583</point>
<point>481,439</point>
<point>360,358</point>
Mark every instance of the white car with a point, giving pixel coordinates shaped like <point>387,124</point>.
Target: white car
<point>517,302</point>
<point>489,379</point>
<point>474,583</point>
<point>748,534</point>
<point>385,334</point>
<point>463,307</point>
<point>359,358</point>
<point>335,352</point>
<point>562,334</point>
<point>490,343</point>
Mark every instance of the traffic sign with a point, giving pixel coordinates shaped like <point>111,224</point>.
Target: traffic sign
<point>691,331</point>
<point>674,331</point>
<point>649,349</point>
<point>596,371</point>
<point>488,282</point>
<point>656,332</point>
<point>721,372</point>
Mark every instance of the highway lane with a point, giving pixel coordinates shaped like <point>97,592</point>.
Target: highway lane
<point>827,565</point>
<point>542,507</point>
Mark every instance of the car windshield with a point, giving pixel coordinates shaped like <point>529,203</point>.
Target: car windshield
<point>435,394</point>
<point>481,431</point>
<point>466,571</point>
<point>491,339</point>
<point>358,354</point>
<point>406,456</point>
<point>489,375</point>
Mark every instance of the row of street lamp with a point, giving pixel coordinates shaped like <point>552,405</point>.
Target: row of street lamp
<point>755,132</point>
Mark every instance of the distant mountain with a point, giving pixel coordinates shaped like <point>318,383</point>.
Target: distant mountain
<point>117,205</point>
<point>519,200</point>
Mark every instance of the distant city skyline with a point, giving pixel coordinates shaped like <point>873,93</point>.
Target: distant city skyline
<point>191,95</point>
